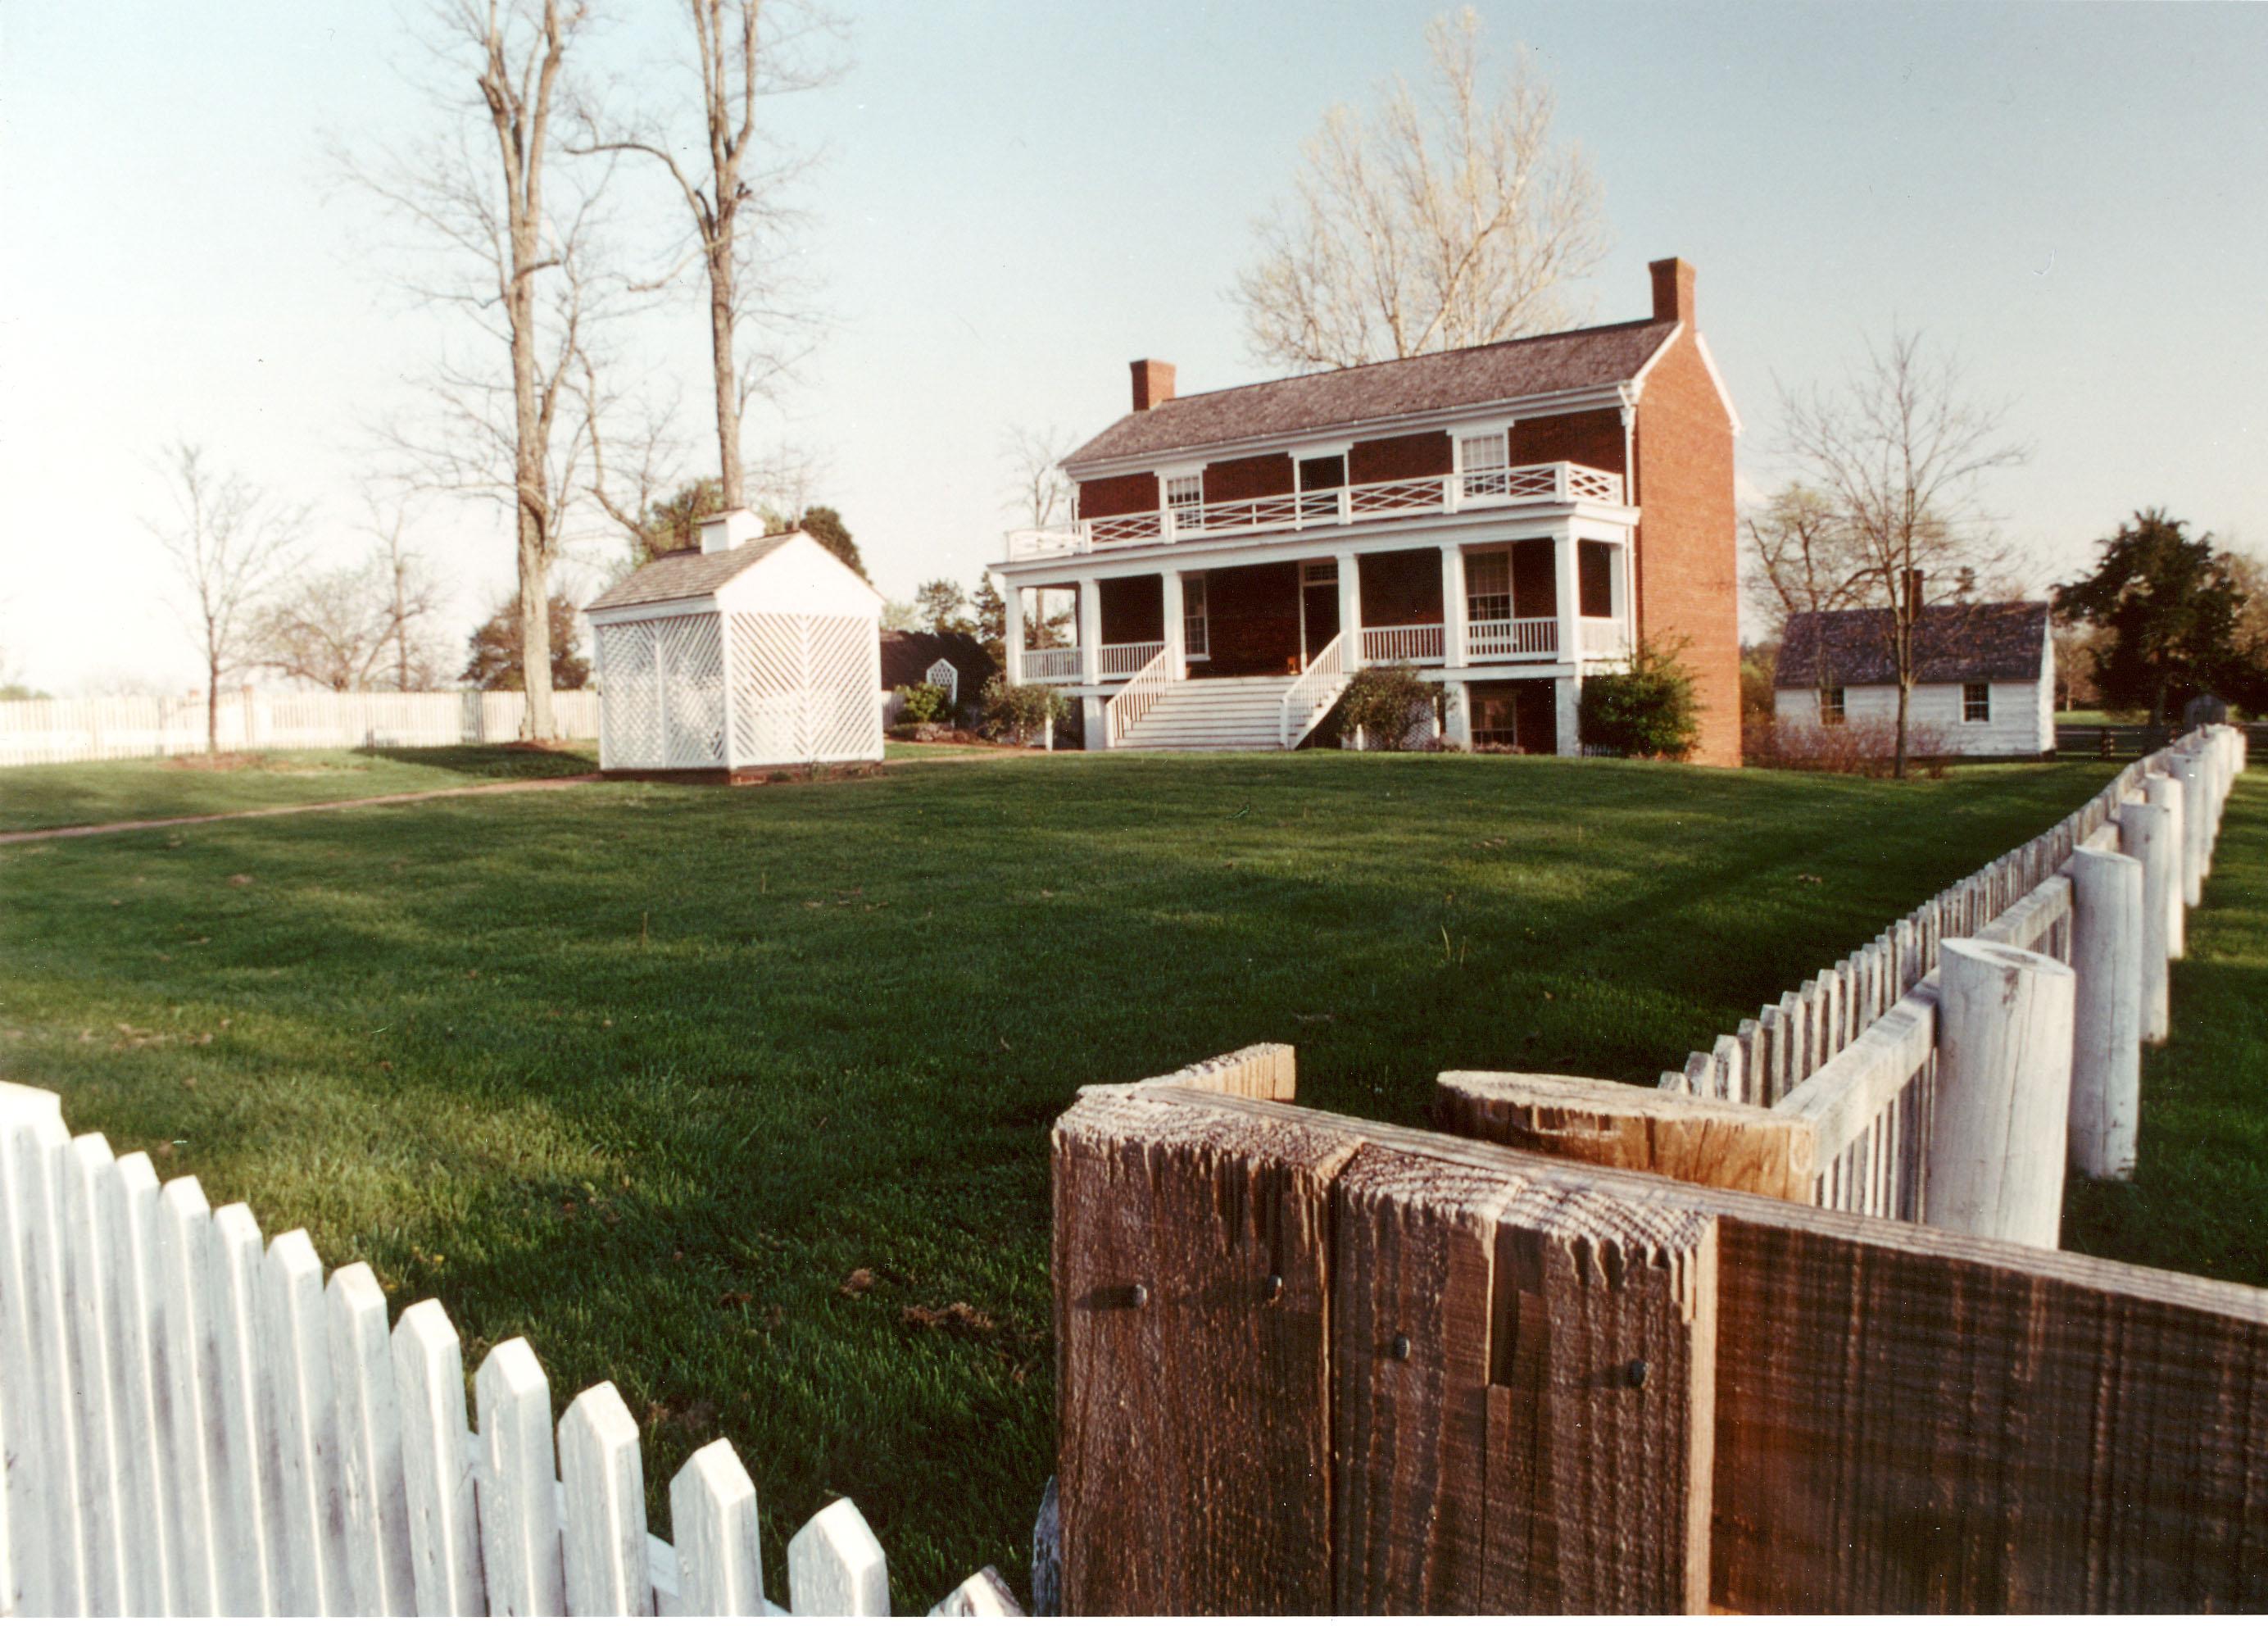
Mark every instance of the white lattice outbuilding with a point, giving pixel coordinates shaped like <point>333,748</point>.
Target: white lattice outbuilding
<point>753,652</point>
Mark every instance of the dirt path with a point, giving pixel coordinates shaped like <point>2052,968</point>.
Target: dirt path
<point>503,788</point>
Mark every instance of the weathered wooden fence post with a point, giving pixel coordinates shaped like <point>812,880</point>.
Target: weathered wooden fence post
<point>1996,1155</point>
<point>2163,790</point>
<point>2196,824</point>
<point>2147,834</point>
<point>2106,1068</point>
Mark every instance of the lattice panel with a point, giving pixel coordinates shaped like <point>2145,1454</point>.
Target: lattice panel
<point>693,676</point>
<point>630,708</point>
<point>805,689</point>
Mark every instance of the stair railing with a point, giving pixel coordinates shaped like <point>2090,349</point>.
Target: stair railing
<point>1130,705</point>
<point>1306,701</point>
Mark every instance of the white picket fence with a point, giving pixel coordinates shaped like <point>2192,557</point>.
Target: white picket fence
<point>195,1424</point>
<point>32,731</point>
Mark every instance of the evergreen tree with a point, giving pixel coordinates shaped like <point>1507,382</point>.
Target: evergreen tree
<point>493,662</point>
<point>825,527</point>
<point>2169,607</point>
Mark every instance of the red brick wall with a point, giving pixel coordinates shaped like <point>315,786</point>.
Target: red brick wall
<point>1686,541</point>
<point>1593,438</point>
<point>1403,589</point>
<point>1403,457</point>
<point>1120,493</point>
<point>1133,609</point>
<point>1245,478</point>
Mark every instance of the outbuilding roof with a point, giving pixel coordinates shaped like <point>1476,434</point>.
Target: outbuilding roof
<point>907,657</point>
<point>1510,370</point>
<point>1953,644</point>
<point>689,573</point>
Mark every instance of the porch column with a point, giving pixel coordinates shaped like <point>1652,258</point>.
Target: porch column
<point>1458,709</point>
<point>1011,631</point>
<point>1350,566</point>
<point>1564,583</point>
<point>1566,691</point>
<point>1090,631</point>
<point>1452,605</point>
<point>1169,593</point>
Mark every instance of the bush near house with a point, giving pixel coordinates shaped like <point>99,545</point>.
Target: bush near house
<point>1019,713</point>
<point>923,703</point>
<point>1647,711</point>
<point>1868,748</point>
<point>1385,702</point>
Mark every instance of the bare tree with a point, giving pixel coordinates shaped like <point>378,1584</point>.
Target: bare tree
<point>1038,489</point>
<point>1802,560</point>
<point>759,315</point>
<point>329,629</point>
<point>1900,453</point>
<point>481,193</point>
<point>1425,227</point>
<point>414,595</point>
<point>232,546</point>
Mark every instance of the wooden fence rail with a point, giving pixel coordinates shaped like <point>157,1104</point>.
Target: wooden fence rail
<point>95,730</point>
<point>1316,1365</point>
<point>196,1422</point>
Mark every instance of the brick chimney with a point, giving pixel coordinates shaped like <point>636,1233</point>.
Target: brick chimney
<point>1673,291</point>
<point>1153,384</point>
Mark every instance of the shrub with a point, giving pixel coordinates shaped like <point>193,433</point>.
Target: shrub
<point>1389,704</point>
<point>1020,711</point>
<point>1646,711</point>
<point>921,702</point>
<point>1867,747</point>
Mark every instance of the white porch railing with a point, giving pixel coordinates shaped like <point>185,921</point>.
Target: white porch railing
<point>1050,666</point>
<point>1417,644</point>
<point>1524,637</point>
<point>1130,705</point>
<point>1605,635</point>
<point>1346,505</point>
<point>1306,701</point>
<point>1125,660</point>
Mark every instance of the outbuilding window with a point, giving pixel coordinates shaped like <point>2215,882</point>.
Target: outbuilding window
<point>1976,703</point>
<point>1831,707</point>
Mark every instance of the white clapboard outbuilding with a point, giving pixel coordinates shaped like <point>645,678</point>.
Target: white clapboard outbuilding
<point>753,652</point>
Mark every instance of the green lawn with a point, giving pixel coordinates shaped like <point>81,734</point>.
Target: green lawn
<point>2200,1194</point>
<point>94,793</point>
<point>733,1096</point>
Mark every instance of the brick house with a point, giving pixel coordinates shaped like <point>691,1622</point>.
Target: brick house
<point>1509,517</point>
<point>1984,677</point>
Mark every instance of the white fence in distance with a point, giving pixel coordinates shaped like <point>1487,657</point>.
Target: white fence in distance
<point>196,1422</point>
<point>37,731</point>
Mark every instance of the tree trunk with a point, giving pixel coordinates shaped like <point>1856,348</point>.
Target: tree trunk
<point>727,380</point>
<point>533,509</point>
<point>212,705</point>
<point>1905,693</point>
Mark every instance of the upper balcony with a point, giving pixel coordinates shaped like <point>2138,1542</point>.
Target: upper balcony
<point>1472,490</point>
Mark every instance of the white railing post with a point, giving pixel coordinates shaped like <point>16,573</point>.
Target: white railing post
<point>1132,702</point>
<point>2165,791</point>
<point>2196,824</point>
<point>1998,1134</point>
<point>1303,705</point>
<point>2148,833</point>
<point>2106,1068</point>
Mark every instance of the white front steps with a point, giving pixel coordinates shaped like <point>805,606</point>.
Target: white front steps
<point>1214,714</point>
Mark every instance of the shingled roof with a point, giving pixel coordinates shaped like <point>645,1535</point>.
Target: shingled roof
<point>1511,370</point>
<point>1953,644</point>
<point>688,574</point>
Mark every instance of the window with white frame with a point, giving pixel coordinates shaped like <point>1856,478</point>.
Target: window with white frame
<point>1195,632</point>
<point>1488,585</point>
<point>1976,703</point>
<point>1831,707</point>
<point>1482,461</point>
<point>1185,498</point>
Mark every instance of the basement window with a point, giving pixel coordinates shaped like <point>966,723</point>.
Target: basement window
<point>1976,703</point>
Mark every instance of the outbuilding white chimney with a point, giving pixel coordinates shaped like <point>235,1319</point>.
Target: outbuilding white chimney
<point>720,533</point>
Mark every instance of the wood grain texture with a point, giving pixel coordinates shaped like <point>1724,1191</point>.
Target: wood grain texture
<point>1170,1503</point>
<point>1264,1072</point>
<point>1602,1411</point>
<point>1592,1121</point>
<point>1909,1419</point>
<point>2003,1109</point>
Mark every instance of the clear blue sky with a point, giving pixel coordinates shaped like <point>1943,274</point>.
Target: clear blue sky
<point>1023,196</point>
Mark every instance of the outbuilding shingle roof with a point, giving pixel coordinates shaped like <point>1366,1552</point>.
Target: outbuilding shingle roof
<point>1953,644</point>
<point>689,573</point>
<point>1511,370</point>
